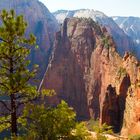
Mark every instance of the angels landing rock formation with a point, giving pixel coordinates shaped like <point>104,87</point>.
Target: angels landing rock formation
<point>41,23</point>
<point>123,41</point>
<point>86,71</point>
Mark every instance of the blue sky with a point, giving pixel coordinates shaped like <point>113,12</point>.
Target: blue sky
<point>109,7</point>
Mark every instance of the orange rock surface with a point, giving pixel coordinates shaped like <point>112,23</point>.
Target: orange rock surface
<point>86,71</point>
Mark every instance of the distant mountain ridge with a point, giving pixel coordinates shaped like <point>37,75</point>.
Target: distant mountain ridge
<point>87,13</point>
<point>130,25</point>
<point>123,41</point>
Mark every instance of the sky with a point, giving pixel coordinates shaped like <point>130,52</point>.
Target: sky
<point>109,7</point>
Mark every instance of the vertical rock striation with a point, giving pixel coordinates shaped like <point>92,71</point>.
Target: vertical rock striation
<point>86,71</point>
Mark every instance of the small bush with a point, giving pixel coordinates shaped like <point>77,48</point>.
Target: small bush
<point>100,131</point>
<point>105,41</point>
<point>134,137</point>
<point>121,72</point>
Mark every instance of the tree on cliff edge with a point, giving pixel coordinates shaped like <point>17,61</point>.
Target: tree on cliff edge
<point>15,89</point>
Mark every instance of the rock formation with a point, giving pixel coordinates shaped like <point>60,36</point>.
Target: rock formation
<point>86,71</point>
<point>123,42</point>
<point>111,110</point>
<point>40,22</point>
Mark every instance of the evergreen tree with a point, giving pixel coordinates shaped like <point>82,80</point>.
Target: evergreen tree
<point>47,123</point>
<point>15,77</point>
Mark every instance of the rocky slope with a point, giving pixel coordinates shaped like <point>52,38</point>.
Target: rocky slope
<point>123,42</point>
<point>86,71</point>
<point>40,22</point>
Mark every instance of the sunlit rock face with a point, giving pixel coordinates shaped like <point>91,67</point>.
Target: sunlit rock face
<point>86,71</point>
<point>41,23</point>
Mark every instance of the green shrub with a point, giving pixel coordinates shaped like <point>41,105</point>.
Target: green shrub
<point>105,41</point>
<point>93,125</point>
<point>134,137</point>
<point>121,72</point>
<point>47,123</point>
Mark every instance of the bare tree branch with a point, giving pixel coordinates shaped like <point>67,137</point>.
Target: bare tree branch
<point>3,67</point>
<point>6,121</point>
<point>2,84</point>
<point>3,40</point>
<point>5,105</point>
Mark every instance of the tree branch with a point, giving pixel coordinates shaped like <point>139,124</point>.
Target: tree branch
<point>25,102</point>
<point>2,84</point>
<point>3,40</point>
<point>3,122</point>
<point>4,56</point>
<point>5,105</point>
<point>3,67</point>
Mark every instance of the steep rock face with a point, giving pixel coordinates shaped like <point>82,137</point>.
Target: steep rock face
<point>86,71</point>
<point>71,57</point>
<point>80,69</point>
<point>114,104</point>
<point>131,122</point>
<point>125,107</point>
<point>123,42</point>
<point>40,22</point>
<point>111,110</point>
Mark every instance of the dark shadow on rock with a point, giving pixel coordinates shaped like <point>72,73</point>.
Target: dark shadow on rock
<point>110,114</point>
<point>122,98</point>
<point>114,105</point>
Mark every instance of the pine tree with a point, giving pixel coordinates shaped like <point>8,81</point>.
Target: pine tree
<point>15,77</point>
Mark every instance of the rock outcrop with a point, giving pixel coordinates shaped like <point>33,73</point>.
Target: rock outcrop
<point>86,71</point>
<point>41,23</point>
<point>123,42</point>
<point>111,110</point>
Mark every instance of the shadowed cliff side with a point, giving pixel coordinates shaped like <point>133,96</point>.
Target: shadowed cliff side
<point>72,64</point>
<point>41,23</point>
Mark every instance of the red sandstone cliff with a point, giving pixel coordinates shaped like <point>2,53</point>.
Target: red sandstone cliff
<point>86,71</point>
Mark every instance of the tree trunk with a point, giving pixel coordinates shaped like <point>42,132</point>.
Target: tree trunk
<point>12,96</point>
<point>13,115</point>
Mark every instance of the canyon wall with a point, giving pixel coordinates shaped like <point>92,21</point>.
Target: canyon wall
<point>86,71</point>
<point>41,23</point>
